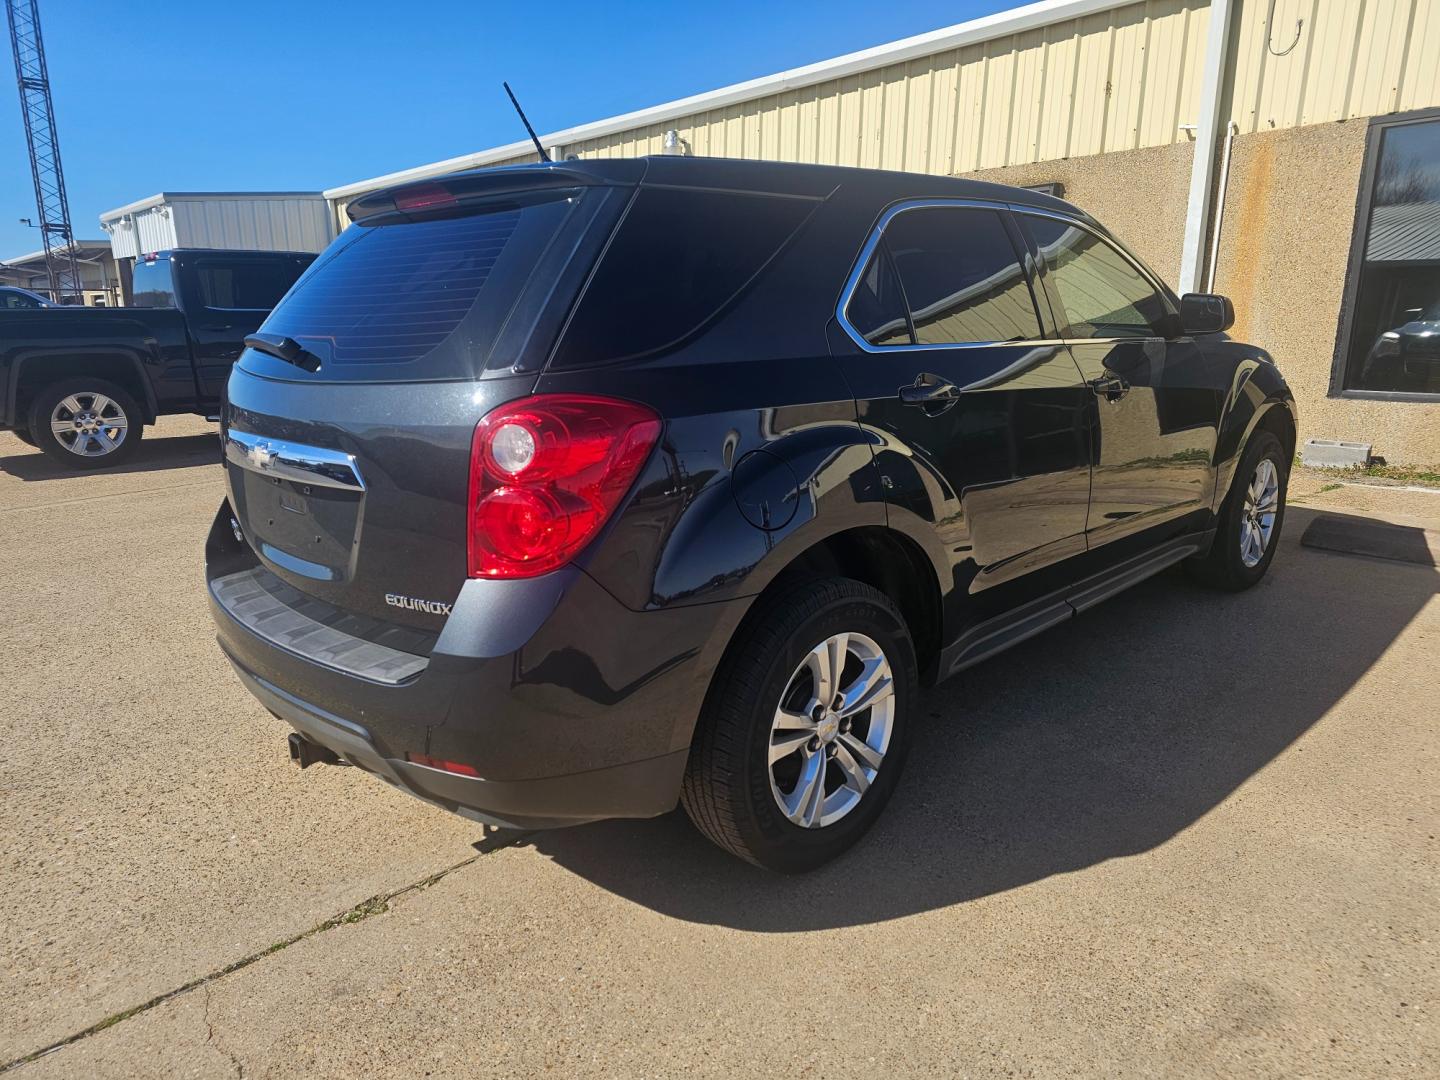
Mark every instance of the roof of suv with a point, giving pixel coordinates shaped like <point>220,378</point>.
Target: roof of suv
<point>780,178</point>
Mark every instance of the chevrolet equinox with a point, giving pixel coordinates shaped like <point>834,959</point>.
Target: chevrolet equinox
<point>570,491</point>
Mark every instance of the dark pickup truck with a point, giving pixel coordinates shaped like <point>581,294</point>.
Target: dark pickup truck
<point>81,383</point>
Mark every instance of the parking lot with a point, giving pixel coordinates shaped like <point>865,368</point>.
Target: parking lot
<point>1183,833</point>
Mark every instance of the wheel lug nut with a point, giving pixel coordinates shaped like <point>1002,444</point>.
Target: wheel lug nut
<point>814,744</point>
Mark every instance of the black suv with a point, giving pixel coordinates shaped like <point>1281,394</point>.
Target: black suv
<point>562,492</point>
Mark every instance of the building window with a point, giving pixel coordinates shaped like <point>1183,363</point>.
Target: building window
<point>1393,301</point>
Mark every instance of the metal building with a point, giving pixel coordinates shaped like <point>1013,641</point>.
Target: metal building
<point>99,278</point>
<point>1236,144</point>
<point>250,221</point>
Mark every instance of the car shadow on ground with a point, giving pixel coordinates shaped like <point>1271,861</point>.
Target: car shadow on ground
<point>154,455</point>
<point>1102,738</point>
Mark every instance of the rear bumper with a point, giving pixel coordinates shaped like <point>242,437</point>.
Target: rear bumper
<point>637,789</point>
<point>570,706</point>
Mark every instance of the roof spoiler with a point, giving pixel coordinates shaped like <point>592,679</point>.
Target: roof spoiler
<point>457,188</point>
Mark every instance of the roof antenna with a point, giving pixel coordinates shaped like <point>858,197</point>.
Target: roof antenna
<point>533,137</point>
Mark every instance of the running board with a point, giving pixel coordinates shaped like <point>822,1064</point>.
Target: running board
<point>1004,631</point>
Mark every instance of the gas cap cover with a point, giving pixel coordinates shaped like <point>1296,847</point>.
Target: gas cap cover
<point>765,490</point>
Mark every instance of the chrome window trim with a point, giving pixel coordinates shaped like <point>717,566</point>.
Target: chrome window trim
<point>284,460</point>
<point>872,241</point>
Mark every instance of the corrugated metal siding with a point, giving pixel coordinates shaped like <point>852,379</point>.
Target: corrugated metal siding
<point>269,224</point>
<point>1352,58</point>
<point>155,229</point>
<point>1118,80</point>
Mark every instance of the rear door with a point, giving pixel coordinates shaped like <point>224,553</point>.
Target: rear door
<point>1156,403</point>
<point>982,420</point>
<point>349,476</point>
<point>227,297</point>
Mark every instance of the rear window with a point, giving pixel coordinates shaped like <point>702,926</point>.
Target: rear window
<point>152,285</point>
<point>679,257</point>
<point>415,299</point>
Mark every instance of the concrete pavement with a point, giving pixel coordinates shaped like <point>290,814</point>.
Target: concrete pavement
<point>1184,834</point>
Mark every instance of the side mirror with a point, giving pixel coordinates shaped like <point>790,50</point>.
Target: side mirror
<point>1206,313</point>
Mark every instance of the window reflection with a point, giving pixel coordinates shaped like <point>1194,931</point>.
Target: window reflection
<point>962,277</point>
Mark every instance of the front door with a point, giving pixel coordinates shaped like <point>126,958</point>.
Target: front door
<point>1157,406</point>
<point>981,420</point>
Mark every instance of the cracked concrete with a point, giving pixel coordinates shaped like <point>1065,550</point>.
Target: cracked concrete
<point>1182,834</point>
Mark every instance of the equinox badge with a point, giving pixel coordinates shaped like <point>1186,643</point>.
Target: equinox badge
<point>410,603</point>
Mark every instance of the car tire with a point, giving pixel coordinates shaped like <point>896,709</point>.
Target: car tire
<point>791,792</point>
<point>1247,533</point>
<point>101,440</point>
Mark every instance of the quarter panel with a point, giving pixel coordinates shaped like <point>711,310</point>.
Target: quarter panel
<point>682,537</point>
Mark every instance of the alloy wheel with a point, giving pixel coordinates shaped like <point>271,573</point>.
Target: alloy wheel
<point>831,730</point>
<point>1257,521</point>
<point>89,425</point>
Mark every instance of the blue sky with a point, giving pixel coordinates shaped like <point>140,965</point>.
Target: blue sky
<point>187,96</point>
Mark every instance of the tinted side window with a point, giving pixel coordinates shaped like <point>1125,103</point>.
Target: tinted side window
<point>257,286</point>
<point>16,300</point>
<point>679,256</point>
<point>1102,294</point>
<point>877,306</point>
<point>962,276</point>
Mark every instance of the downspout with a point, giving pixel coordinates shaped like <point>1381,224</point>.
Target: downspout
<point>1207,141</point>
<point>1232,129</point>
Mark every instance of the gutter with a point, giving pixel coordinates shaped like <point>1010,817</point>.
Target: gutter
<point>988,28</point>
<point>1201,202</point>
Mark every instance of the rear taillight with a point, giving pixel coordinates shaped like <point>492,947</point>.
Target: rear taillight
<point>546,473</point>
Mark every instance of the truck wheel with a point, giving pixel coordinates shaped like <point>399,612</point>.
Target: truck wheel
<point>85,423</point>
<point>805,729</point>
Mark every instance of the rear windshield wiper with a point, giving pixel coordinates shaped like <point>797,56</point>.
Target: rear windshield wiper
<point>284,348</point>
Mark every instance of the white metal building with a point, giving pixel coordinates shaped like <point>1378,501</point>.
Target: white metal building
<point>248,221</point>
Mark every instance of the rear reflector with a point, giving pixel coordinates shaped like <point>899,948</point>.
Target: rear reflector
<point>422,196</point>
<point>439,763</point>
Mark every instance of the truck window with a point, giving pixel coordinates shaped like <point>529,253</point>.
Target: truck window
<point>252,286</point>
<point>152,284</point>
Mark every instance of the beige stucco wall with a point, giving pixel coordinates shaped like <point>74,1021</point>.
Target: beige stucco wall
<point>1139,195</point>
<point>1285,245</point>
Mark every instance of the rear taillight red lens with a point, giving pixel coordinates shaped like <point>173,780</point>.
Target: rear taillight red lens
<point>545,475</point>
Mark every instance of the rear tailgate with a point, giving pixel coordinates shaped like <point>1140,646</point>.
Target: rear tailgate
<point>355,493</point>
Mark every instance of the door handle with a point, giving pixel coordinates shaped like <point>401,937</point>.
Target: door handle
<point>1110,386</point>
<point>928,391</point>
